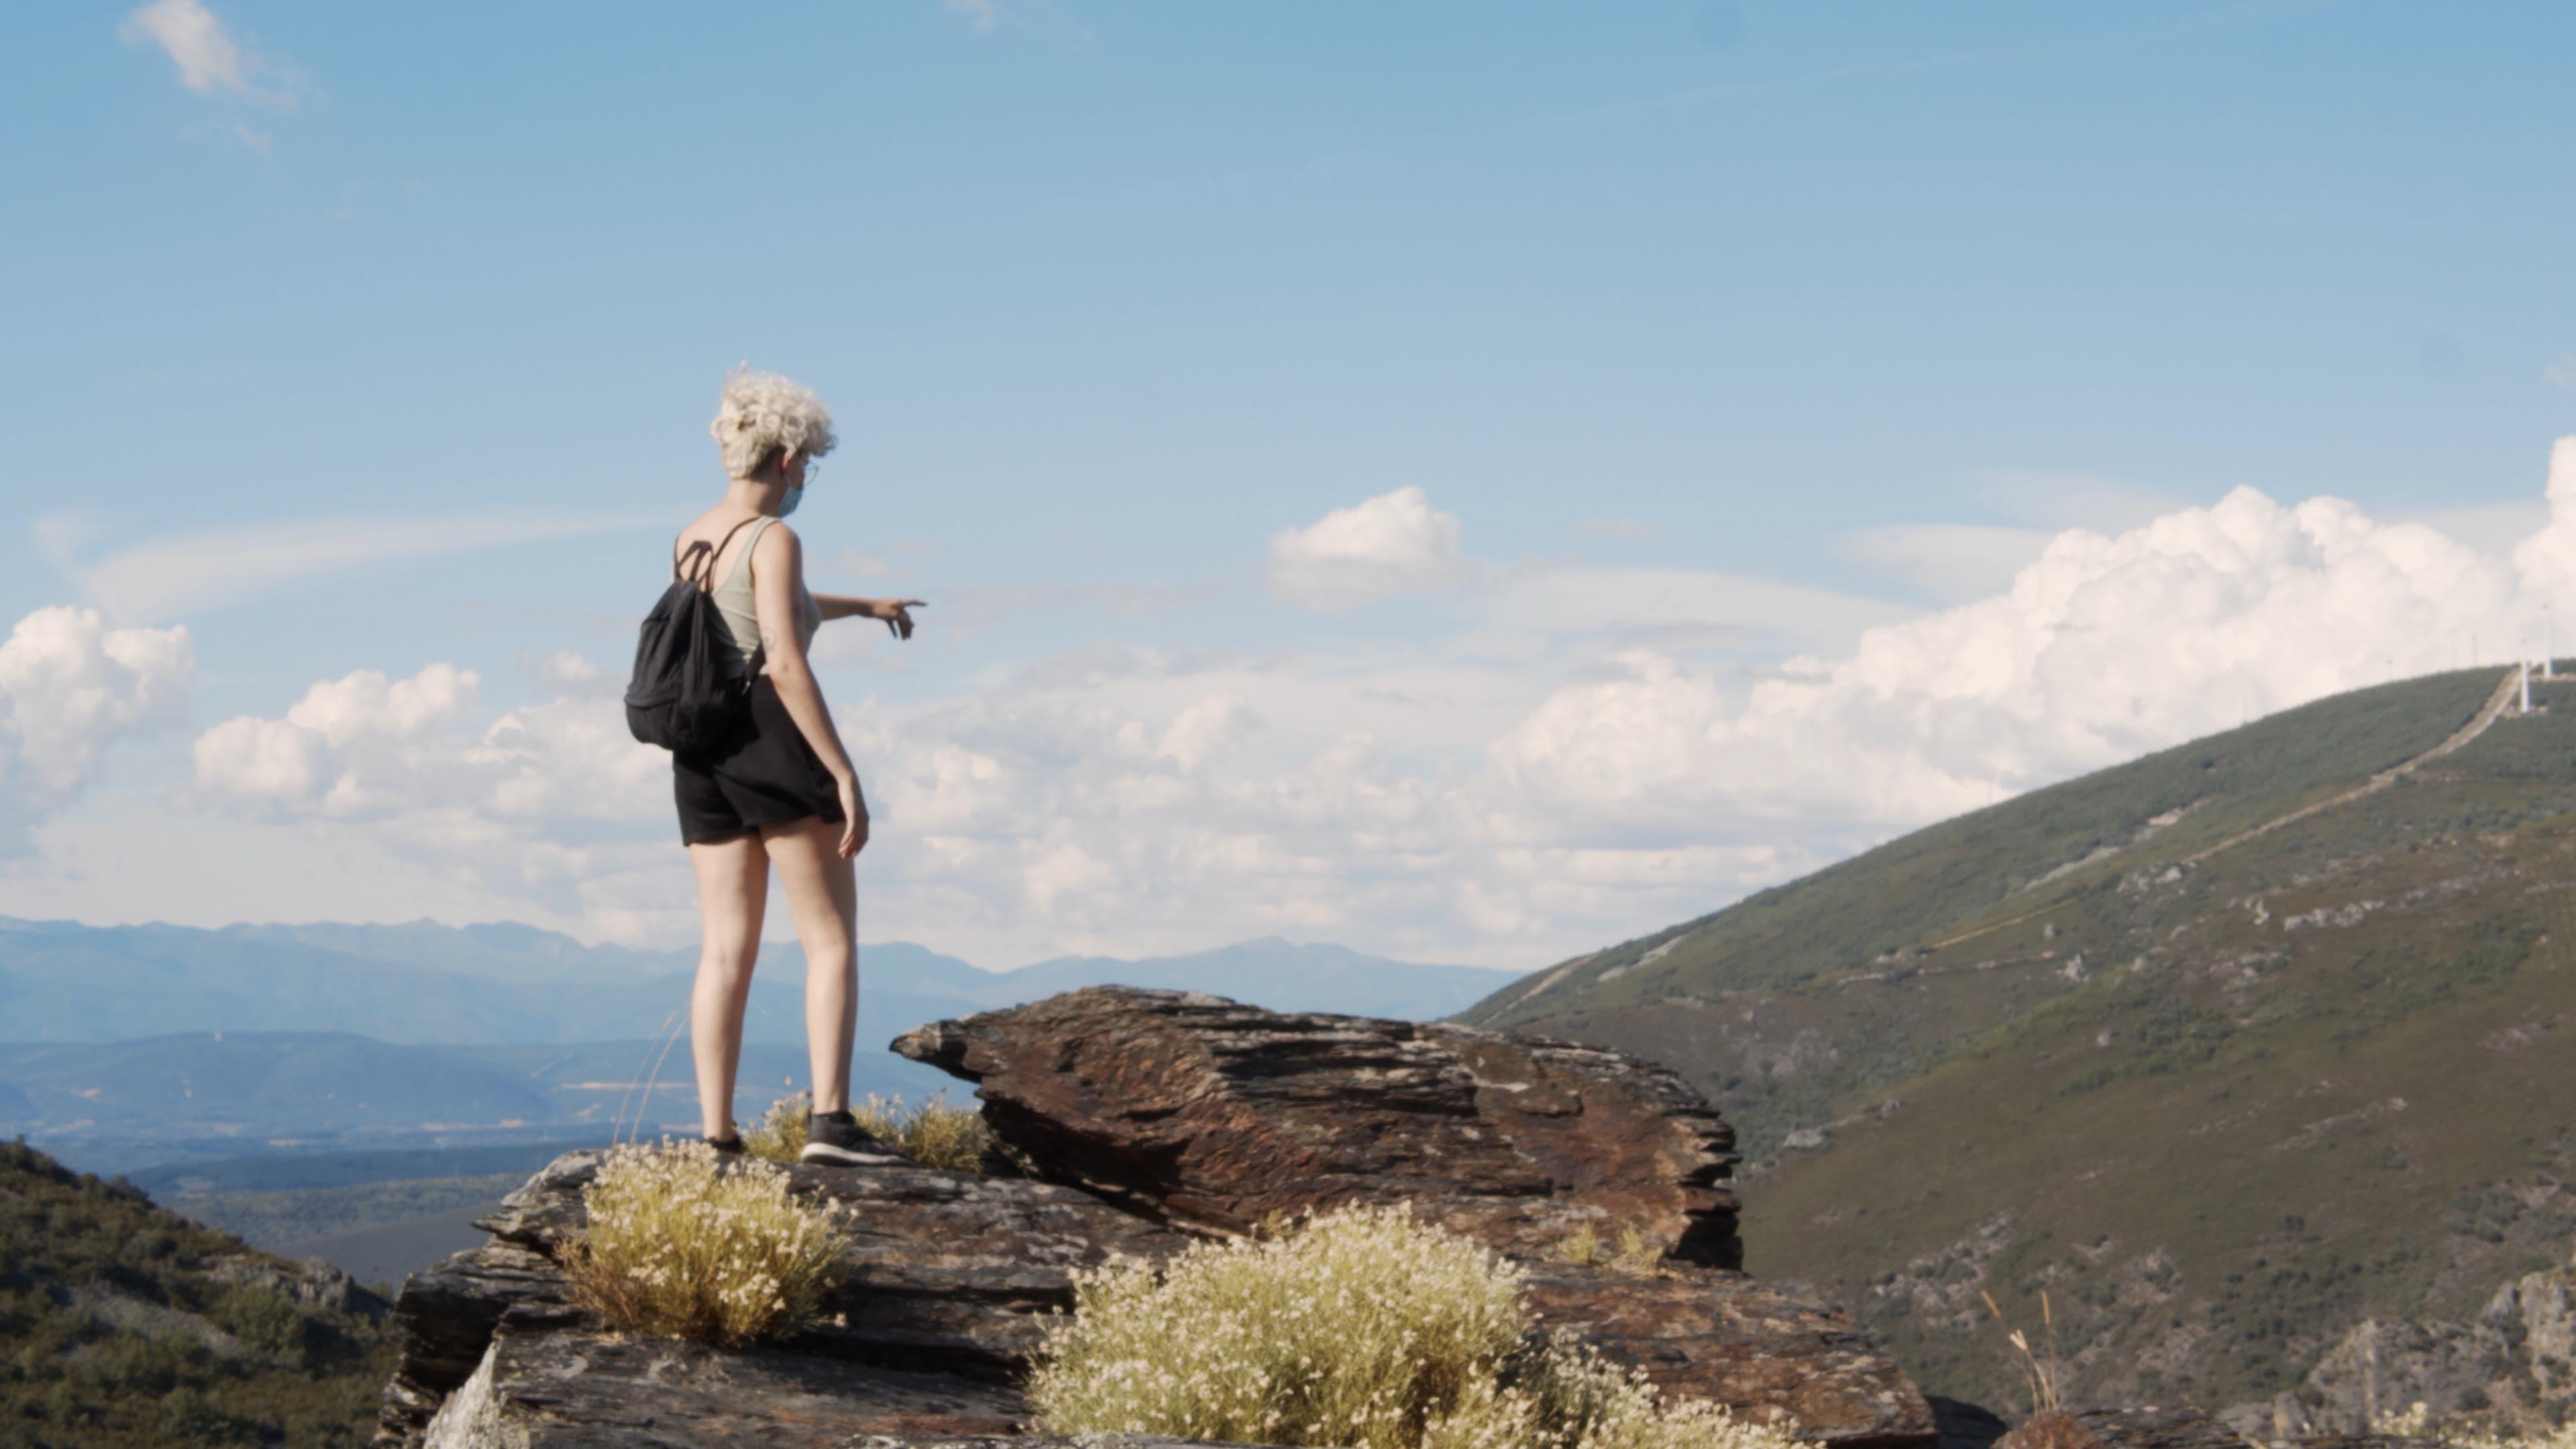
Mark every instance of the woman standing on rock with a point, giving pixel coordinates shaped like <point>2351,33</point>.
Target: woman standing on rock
<point>781,792</point>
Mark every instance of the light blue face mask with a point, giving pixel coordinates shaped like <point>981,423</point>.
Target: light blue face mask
<point>795,495</point>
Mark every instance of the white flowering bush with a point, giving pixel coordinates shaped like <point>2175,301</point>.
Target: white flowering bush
<point>682,1245</point>
<point>1361,1327</point>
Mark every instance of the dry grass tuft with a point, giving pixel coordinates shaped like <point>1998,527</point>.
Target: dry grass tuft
<point>682,1245</point>
<point>1635,1252</point>
<point>779,1135</point>
<point>2040,1375</point>
<point>1361,1327</point>
<point>933,1133</point>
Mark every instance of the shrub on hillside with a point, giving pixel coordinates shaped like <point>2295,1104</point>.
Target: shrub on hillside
<point>933,1133</point>
<point>1361,1327</point>
<point>683,1245</point>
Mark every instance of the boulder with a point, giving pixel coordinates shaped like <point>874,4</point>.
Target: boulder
<point>1193,1109</point>
<point>1201,1112</point>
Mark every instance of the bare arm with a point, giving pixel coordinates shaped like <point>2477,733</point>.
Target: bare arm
<point>777,572</point>
<point>897,613</point>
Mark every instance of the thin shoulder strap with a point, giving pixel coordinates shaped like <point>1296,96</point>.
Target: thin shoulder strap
<point>682,557</point>
<point>751,544</point>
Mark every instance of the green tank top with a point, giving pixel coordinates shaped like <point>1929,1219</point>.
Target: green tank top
<point>733,602</point>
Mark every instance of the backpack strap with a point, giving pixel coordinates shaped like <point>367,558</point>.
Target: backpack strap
<point>682,559</point>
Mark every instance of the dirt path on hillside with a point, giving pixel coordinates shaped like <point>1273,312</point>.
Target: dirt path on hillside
<point>2488,713</point>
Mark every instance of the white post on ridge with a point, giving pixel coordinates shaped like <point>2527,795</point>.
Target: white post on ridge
<point>2526,686</point>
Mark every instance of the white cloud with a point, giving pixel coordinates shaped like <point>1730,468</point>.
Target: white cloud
<point>70,686</point>
<point>1646,756</point>
<point>1395,543</point>
<point>365,747</point>
<point>2103,648</point>
<point>568,671</point>
<point>210,61</point>
<point>171,577</point>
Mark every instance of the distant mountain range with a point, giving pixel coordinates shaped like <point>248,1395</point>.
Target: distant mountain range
<point>503,984</point>
<point>2225,1048</point>
<point>140,1044</point>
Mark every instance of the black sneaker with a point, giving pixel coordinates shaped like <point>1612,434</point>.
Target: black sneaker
<point>725,1146</point>
<point>835,1139</point>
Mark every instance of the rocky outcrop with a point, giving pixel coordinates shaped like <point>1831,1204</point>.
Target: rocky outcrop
<point>1194,1109</point>
<point>2509,1366</point>
<point>1201,1112</point>
<point>950,1275</point>
<point>1148,1120</point>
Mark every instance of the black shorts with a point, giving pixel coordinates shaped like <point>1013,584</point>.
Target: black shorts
<point>765,775</point>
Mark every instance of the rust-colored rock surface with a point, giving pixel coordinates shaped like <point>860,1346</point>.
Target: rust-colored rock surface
<point>1195,1109</point>
<point>1204,1112</point>
<point>1769,1352</point>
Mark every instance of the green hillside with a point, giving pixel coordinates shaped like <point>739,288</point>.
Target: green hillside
<point>2221,1090</point>
<point>128,1325</point>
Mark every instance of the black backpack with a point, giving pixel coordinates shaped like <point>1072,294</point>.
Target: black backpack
<point>685,694</point>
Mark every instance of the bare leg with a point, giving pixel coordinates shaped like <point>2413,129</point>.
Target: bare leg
<point>733,890</point>
<point>823,894</point>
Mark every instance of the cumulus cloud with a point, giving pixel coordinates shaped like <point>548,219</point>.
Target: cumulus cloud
<point>1638,764</point>
<point>2102,649</point>
<point>70,686</point>
<point>547,803</point>
<point>367,747</point>
<point>1395,543</point>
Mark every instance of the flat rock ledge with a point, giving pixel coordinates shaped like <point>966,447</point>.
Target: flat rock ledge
<point>1150,1120</point>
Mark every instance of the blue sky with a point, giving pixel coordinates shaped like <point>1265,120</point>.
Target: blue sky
<point>1712,336</point>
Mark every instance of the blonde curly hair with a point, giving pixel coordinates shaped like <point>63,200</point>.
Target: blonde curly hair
<point>761,413</point>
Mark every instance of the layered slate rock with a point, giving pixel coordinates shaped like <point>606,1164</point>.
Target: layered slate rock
<point>949,1271</point>
<point>1192,1108</point>
<point>1151,1119</point>
<point>1202,1112</point>
<point>951,1275</point>
<point>1769,1352</point>
<point>555,1384</point>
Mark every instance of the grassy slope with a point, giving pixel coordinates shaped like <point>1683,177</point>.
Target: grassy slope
<point>305,1377</point>
<point>1949,876</point>
<point>2234,1129</point>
